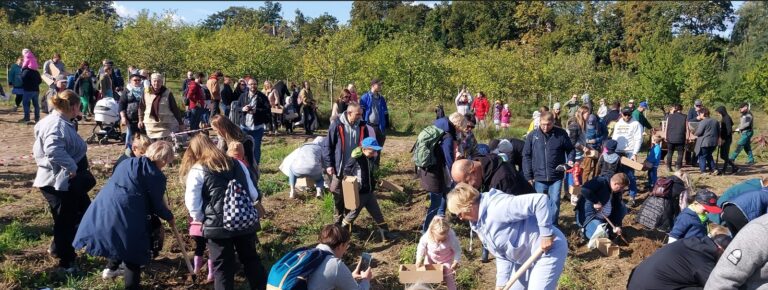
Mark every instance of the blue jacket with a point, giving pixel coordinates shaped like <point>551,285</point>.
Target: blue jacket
<point>734,191</point>
<point>688,225</point>
<point>753,203</point>
<point>594,132</point>
<point>365,103</point>
<point>543,152</point>
<point>115,226</point>
<point>654,155</point>
<point>14,76</point>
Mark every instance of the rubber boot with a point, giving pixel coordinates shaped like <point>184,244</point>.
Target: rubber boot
<point>210,270</point>
<point>198,263</point>
<point>484,256</point>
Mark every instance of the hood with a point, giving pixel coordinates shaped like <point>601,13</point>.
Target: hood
<point>343,120</point>
<point>611,158</point>
<point>703,245</point>
<point>722,111</point>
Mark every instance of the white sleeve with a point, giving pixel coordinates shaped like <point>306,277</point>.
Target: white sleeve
<point>251,189</point>
<point>193,195</point>
<point>638,136</point>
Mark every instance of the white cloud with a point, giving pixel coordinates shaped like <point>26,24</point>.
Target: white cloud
<point>124,11</point>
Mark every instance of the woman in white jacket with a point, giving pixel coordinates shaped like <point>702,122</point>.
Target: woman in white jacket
<point>305,161</point>
<point>463,102</point>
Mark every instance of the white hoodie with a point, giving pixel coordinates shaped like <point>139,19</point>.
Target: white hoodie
<point>629,137</point>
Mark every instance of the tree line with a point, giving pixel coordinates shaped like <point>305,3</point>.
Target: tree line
<point>663,52</point>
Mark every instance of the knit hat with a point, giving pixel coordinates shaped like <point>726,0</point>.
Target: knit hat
<point>708,200</point>
<point>493,144</point>
<point>556,106</point>
<point>504,146</point>
<point>610,146</point>
<point>698,103</point>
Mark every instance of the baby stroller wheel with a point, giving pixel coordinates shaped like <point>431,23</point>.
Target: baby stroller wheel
<point>91,139</point>
<point>103,141</point>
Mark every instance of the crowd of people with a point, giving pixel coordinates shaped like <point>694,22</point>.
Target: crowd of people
<point>508,190</point>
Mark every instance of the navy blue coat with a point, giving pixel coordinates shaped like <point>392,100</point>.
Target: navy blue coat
<point>688,225</point>
<point>115,226</point>
<point>598,190</point>
<point>543,152</point>
<point>753,204</point>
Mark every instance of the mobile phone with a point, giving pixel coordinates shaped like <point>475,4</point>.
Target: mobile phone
<point>365,261</point>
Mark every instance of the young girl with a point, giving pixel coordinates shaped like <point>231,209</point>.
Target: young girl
<point>30,60</point>
<point>497,107</point>
<point>439,245</point>
<point>505,115</point>
<point>290,114</point>
<point>237,150</point>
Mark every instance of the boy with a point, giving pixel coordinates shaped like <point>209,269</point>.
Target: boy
<point>692,221</point>
<point>609,161</point>
<point>362,165</point>
<point>139,146</point>
<point>654,156</point>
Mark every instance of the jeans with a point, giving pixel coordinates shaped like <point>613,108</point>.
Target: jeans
<point>551,189</point>
<point>195,117</point>
<point>67,208</point>
<point>706,162</point>
<point>33,97</point>
<point>129,131</point>
<point>591,227</point>
<point>132,274</point>
<point>437,204</point>
<point>224,108</point>
<point>222,252</point>
<point>744,143</point>
<point>318,180</point>
<point>257,135</point>
<point>632,180</point>
<point>652,176</point>
<point>671,148</point>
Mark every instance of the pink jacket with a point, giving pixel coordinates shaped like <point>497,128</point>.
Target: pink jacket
<point>439,253</point>
<point>505,115</point>
<point>30,61</point>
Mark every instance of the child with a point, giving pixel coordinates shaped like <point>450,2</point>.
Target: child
<point>505,115</point>
<point>363,166</point>
<point>692,221</point>
<point>439,245</point>
<point>653,158</point>
<point>140,145</point>
<point>290,114</point>
<point>236,150</point>
<point>609,161</point>
<point>30,61</point>
<point>497,107</point>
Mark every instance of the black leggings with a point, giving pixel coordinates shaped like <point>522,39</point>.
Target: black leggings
<point>671,148</point>
<point>199,246</point>
<point>733,218</point>
<point>18,99</point>
<point>132,274</point>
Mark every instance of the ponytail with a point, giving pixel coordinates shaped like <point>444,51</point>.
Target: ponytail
<point>64,101</point>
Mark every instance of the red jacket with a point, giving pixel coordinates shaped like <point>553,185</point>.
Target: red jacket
<point>480,106</point>
<point>195,95</point>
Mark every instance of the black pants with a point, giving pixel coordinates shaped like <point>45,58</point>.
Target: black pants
<point>18,100</point>
<point>132,274</point>
<point>276,120</point>
<point>222,252</point>
<point>339,211</point>
<point>199,246</point>
<point>671,148</point>
<point>725,150</point>
<point>733,218</point>
<point>67,209</point>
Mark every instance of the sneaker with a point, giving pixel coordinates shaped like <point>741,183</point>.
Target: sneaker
<point>31,122</point>
<point>15,108</point>
<point>111,274</point>
<point>23,121</point>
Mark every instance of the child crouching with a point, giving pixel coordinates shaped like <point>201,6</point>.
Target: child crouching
<point>439,245</point>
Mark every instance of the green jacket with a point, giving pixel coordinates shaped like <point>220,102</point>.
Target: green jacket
<point>640,118</point>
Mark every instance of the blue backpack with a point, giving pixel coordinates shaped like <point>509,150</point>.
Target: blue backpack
<point>292,271</point>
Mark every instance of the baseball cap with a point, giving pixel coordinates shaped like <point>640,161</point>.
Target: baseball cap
<point>375,81</point>
<point>626,110</point>
<point>697,103</point>
<point>644,104</point>
<point>708,200</point>
<point>371,143</point>
<point>556,106</point>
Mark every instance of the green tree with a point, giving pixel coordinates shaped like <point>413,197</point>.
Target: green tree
<point>22,11</point>
<point>152,42</point>
<point>334,57</point>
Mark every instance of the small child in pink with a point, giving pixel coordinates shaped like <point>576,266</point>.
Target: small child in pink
<point>505,116</point>
<point>439,245</point>
<point>30,60</point>
<point>497,107</point>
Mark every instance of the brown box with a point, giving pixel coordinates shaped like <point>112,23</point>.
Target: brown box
<point>607,248</point>
<point>632,164</point>
<point>432,273</point>
<point>277,110</point>
<point>391,186</point>
<point>350,187</point>
<point>574,189</point>
<point>305,182</point>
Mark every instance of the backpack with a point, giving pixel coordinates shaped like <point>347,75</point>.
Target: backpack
<point>238,209</point>
<point>656,213</point>
<point>662,187</point>
<point>292,271</point>
<point>422,150</point>
<point>235,112</point>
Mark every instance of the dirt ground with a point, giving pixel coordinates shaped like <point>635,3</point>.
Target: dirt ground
<point>288,223</point>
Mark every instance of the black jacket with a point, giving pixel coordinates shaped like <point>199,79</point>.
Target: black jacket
<point>366,167</point>
<point>214,190</point>
<point>227,95</point>
<point>726,123</point>
<point>676,126</point>
<point>516,156</point>
<point>333,155</point>
<point>30,80</point>
<point>611,116</point>
<point>684,263</point>
<point>281,91</point>
<point>502,176</point>
<point>544,152</point>
<point>130,104</point>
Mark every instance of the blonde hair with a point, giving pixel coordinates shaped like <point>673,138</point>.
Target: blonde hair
<point>141,142</point>
<point>458,120</point>
<point>461,198</point>
<point>202,151</point>
<point>235,149</point>
<point>160,150</point>
<point>439,227</point>
<point>64,101</point>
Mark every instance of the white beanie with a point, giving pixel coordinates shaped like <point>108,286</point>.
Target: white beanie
<point>504,146</point>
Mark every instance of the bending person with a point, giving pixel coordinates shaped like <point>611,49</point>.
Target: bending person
<point>513,228</point>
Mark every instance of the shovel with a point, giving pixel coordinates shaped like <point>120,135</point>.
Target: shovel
<point>613,227</point>
<point>183,251</point>
<point>519,273</point>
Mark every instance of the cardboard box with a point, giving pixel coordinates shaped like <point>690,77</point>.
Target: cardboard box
<point>409,274</point>
<point>277,110</point>
<point>631,164</point>
<point>574,189</point>
<point>305,182</point>
<point>391,186</point>
<point>350,187</point>
<point>607,248</point>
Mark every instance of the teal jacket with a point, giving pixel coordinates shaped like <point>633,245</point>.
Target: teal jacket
<point>14,76</point>
<point>640,118</point>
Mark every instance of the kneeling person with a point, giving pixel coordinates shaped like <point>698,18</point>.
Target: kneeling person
<point>692,221</point>
<point>600,200</point>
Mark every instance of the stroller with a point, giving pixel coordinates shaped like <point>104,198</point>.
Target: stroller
<point>107,117</point>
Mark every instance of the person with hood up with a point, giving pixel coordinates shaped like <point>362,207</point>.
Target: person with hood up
<point>726,138</point>
<point>745,264</point>
<point>510,150</point>
<point>686,264</point>
<point>587,101</point>
<point>609,160</point>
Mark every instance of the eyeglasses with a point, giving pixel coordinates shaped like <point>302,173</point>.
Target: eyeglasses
<point>136,80</point>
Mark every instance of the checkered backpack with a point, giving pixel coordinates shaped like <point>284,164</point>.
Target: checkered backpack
<point>239,212</point>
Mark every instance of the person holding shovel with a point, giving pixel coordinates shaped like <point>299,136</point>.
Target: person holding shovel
<point>600,201</point>
<point>514,228</point>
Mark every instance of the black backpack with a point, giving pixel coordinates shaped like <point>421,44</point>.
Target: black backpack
<point>662,187</point>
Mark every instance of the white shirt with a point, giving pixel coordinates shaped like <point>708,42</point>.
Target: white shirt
<point>629,137</point>
<point>193,195</point>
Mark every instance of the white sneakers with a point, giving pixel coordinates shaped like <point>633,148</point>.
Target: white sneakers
<point>109,274</point>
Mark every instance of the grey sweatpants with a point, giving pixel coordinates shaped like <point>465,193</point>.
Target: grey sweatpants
<point>369,202</point>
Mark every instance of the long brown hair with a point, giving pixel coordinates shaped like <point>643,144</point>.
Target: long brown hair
<point>226,129</point>
<point>579,117</point>
<point>202,151</point>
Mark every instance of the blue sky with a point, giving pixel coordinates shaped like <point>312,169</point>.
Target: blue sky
<point>196,11</point>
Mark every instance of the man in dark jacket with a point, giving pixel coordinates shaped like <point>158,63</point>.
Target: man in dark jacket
<point>613,114</point>
<point>726,138</point>
<point>344,135</point>
<point>685,264</point>
<point>693,113</point>
<point>30,79</point>
<point>545,149</point>
<point>434,179</point>
<point>227,95</point>
<point>676,133</point>
<point>707,135</point>
<point>257,112</point>
<point>600,199</point>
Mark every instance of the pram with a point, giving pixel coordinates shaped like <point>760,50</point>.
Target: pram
<point>107,117</point>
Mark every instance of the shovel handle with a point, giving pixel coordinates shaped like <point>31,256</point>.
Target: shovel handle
<point>519,273</point>
<point>183,248</point>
